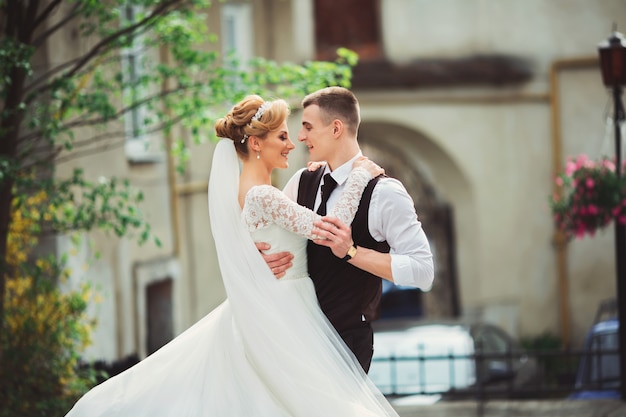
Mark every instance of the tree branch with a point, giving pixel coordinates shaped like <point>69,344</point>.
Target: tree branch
<point>161,9</point>
<point>59,68</point>
<point>94,140</point>
<point>86,152</point>
<point>13,16</point>
<point>100,120</point>
<point>43,78</point>
<point>79,63</point>
<point>71,15</point>
<point>44,161</point>
<point>46,12</point>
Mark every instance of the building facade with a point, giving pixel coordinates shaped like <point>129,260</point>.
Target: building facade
<point>473,104</point>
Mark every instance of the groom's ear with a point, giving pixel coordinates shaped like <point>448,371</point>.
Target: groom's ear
<point>337,127</point>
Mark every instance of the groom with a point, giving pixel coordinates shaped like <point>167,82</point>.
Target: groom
<point>385,240</point>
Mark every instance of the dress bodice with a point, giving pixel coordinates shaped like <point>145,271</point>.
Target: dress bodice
<point>282,240</point>
<point>273,218</point>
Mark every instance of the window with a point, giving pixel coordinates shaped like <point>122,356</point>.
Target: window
<point>236,33</point>
<point>139,146</point>
<point>354,24</point>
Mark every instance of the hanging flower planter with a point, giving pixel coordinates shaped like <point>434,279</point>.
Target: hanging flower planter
<point>589,197</point>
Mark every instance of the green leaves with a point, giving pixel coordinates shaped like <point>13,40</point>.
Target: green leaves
<point>151,62</point>
<point>45,331</point>
<point>13,55</point>
<point>73,204</point>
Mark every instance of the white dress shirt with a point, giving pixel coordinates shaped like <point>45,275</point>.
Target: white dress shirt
<point>391,218</point>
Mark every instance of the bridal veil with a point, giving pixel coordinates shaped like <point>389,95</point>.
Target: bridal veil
<point>295,349</point>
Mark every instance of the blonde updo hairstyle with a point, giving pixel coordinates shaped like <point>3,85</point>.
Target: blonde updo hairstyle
<point>238,122</point>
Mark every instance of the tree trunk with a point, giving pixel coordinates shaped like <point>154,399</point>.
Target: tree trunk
<point>6,198</point>
<point>10,124</point>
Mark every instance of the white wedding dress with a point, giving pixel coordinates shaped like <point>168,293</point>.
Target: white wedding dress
<point>268,350</point>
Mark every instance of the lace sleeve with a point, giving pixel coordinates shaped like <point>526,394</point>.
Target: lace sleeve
<point>265,205</point>
<point>348,203</point>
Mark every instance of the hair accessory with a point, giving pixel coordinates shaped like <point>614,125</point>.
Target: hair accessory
<point>257,116</point>
<point>262,109</point>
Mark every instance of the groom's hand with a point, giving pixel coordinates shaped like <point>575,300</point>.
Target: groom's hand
<point>278,262</point>
<point>334,234</point>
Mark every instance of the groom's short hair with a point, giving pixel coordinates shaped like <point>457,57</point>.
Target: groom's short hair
<point>336,103</point>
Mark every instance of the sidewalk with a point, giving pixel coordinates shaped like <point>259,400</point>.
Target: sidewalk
<point>531,408</point>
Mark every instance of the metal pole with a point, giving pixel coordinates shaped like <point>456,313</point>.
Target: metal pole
<point>620,244</point>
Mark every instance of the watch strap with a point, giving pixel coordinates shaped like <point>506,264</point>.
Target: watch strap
<point>350,254</point>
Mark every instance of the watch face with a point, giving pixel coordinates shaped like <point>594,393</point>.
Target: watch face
<point>350,254</point>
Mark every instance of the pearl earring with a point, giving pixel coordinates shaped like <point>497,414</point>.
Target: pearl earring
<point>258,154</point>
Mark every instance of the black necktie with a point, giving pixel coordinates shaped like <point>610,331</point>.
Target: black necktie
<point>327,188</point>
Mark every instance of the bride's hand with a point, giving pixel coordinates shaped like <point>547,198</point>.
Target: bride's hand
<point>315,165</point>
<point>370,166</point>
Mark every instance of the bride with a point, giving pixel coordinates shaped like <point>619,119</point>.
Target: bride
<point>268,350</point>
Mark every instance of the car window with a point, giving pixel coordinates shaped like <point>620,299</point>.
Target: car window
<point>604,366</point>
<point>492,340</point>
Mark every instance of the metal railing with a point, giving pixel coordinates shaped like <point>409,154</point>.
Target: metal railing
<point>512,374</point>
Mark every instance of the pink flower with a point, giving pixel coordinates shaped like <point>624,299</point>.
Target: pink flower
<point>587,190</point>
<point>608,165</point>
<point>570,167</point>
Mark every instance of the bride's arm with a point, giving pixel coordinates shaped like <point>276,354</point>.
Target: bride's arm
<point>266,204</point>
<point>348,203</point>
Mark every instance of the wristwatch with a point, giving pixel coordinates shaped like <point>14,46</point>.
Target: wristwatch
<point>350,254</point>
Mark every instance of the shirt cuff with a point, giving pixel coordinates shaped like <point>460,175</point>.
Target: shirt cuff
<point>404,274</point>
<point>401,270</point>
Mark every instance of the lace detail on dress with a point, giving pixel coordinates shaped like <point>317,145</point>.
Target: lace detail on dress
<point>266,204</point>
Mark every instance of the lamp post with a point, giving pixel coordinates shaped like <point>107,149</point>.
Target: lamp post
<point>613,62</point>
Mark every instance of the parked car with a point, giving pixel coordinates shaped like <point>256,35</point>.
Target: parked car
<point>449,357</point>
<point>400,302</point>
<point>598,374</point>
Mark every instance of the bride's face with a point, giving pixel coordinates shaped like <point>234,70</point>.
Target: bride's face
<point>276,147</point>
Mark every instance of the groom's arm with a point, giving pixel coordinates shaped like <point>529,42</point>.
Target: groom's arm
<point>278,262</point>
<point>392,218</point>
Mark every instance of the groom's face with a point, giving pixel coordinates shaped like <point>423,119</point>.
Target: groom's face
<point>316,134</point>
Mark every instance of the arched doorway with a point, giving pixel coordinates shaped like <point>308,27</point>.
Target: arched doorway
<point>397,149</point>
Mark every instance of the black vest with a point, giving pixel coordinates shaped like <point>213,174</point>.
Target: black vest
<point>344,292</point>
